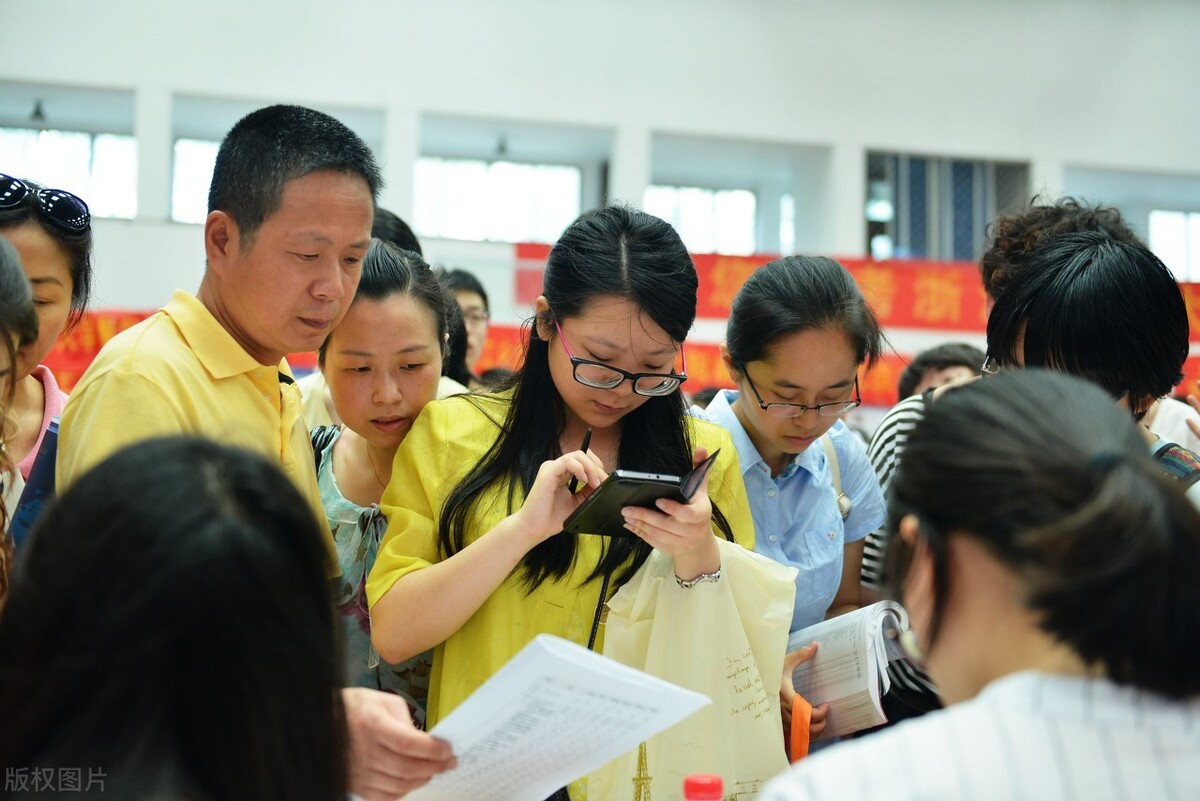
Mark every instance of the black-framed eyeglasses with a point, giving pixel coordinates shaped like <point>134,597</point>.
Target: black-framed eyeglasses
<point>786,410</point>
<point>602,376</point>
<point>58,206</point>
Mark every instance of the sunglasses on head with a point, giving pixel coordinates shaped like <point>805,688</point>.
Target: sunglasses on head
<point>58,206</point>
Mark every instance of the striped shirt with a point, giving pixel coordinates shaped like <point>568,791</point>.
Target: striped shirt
<point>887,445</point>
<point>884,452</point>
<point>1025,736</point>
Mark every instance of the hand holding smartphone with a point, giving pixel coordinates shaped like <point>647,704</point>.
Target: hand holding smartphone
<point>601,512</point>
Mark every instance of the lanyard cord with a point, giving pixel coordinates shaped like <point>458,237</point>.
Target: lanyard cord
<point>599,608</point>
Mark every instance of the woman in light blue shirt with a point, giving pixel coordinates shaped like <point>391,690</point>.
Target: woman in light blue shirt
<point>799,331</point>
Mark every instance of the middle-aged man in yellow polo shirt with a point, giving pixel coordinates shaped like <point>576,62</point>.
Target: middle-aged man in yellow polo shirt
<point>290,211</point>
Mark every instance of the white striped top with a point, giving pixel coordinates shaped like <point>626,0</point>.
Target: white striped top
<point>885,450</point>
<point>887,445</point>
<point>1026,736</point>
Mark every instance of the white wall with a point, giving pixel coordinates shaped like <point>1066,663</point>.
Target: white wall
<point>1105,83</point>
<point>1135,193</point>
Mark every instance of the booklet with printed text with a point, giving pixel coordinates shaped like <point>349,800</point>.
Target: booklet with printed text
<point>850,668</point>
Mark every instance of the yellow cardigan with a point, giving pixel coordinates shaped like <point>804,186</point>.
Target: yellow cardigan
<point>445,442</point>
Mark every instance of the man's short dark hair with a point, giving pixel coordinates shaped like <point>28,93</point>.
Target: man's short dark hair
<point>462,281</point>
<point>274,145</point>
<point>952,354</point>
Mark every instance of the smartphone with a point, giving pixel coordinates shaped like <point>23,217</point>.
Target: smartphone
<point>601,512</point>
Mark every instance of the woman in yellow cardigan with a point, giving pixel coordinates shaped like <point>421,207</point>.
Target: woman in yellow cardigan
<point>474,561</point>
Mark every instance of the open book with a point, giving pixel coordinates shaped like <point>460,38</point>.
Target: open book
<point>554,713</point>
<point>850,668</point>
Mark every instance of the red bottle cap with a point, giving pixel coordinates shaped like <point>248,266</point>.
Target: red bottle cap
<point>703,787</point>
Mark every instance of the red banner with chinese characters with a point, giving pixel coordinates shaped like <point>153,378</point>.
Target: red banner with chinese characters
<point>921,295</point>
<point>904,294</point>
<point>75,351</point>
<point>931,296</point>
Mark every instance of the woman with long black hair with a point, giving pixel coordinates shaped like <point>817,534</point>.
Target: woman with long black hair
<point>473,562</point>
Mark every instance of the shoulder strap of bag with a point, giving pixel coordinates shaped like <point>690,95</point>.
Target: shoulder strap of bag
<point>835,471</point>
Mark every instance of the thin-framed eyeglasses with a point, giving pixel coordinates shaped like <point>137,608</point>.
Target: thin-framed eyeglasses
<point>786,410</point>
<point>476,317</point>
<point>990,367</point>
<point>58,206</point>
<point>603,376</point>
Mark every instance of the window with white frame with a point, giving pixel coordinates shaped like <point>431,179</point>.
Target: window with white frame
<point>1175,238</point>
<point>708,220</point>
<point>100,168</point>
<point>926,207</point>
<point>190,179</point>
<point>496,201</point>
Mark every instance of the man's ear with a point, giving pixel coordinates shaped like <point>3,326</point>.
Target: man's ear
<point>221,239</point>
<point>735,375</point>
<point>543,324</point>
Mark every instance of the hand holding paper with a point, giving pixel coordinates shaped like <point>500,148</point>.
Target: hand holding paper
<point>554,713</point>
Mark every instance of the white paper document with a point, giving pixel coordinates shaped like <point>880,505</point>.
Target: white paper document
<point>553,714</point>
<point>850,668</point>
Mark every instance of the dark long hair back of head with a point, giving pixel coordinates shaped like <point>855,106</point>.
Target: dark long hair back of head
<point>615,251</point>
<point>1057,482</point>
<point>170,622</point>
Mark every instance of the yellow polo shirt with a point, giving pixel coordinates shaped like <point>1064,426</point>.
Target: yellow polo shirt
<point>179,372</point>
<point>445,442</point>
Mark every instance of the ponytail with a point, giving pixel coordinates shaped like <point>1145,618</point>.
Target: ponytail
<point>1057,482</point>
<point>1115,579</point>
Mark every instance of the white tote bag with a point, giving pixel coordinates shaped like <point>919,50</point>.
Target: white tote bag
<point>724,639</point>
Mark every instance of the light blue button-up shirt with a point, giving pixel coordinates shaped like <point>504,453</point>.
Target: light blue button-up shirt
<point>796,517</point>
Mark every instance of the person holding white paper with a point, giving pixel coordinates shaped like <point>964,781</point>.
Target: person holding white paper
<point>1048,567</point>
<point>290,209</point>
